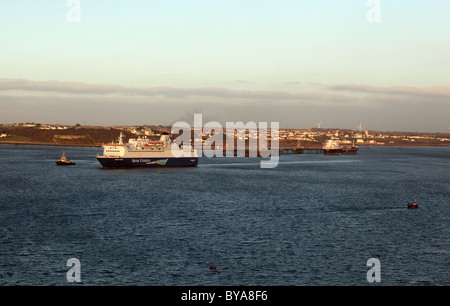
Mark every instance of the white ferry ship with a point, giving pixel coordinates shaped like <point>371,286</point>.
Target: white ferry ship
<point>141,152</point>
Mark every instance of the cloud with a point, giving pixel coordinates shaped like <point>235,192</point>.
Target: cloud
<point>341,106</point>
<point>241,82</point>
<point>77,88</point>
<point>431,92</point>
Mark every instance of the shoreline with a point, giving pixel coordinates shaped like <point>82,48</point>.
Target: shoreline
<point>49,144</point>
<point>36,143</point>
<point>404,145</point>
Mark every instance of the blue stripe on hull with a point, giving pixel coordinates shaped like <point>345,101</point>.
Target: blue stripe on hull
<point>148,162</point>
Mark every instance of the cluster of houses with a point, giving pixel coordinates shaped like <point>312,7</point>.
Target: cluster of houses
<point>359,137</point>
<point>312,135</point>
<point>40,126</point>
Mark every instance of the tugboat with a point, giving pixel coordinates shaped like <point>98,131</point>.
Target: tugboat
<point>64,161</point>
<point>413,205</point>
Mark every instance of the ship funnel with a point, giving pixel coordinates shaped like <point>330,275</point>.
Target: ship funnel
<point>120,138</point>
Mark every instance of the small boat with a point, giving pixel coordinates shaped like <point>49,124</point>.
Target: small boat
<point>413,205</point>
<point>64,161</point>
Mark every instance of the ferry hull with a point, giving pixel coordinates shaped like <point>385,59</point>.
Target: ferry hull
<point>108,162</point>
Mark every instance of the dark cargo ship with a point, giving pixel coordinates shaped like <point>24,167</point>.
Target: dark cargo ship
<point>332,147</point>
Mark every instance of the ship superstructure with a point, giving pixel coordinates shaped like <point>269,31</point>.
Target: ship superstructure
<point>142,152</point>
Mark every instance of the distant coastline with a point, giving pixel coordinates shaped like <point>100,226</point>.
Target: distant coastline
<point>95,136</point>
<point>48,144</point>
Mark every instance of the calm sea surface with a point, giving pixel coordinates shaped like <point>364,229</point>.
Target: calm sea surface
<point>313,220</point>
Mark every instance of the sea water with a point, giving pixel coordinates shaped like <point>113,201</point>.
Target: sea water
<point>312,220</point>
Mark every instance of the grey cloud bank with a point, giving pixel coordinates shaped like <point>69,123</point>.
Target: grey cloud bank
<point>339,106</point>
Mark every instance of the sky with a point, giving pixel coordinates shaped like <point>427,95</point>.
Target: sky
<point>296,62</point>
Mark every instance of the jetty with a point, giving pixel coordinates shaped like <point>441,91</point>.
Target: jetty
<point>301,150</point>
<point>282,150</point>
<point>45,145</point>
<point>236,152</point>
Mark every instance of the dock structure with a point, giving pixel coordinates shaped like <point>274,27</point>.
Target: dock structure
<point>291,150</point>
<point>236,152</point>
<point>313,150</point>
<point>282,150</point>
<point>42,145</point>
<point>301,150</point>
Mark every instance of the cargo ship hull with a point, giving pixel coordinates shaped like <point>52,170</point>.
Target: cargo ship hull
<point>148,162</point>
<point>339,151</point>
<point>332,151</point>
<point>349,150</point>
